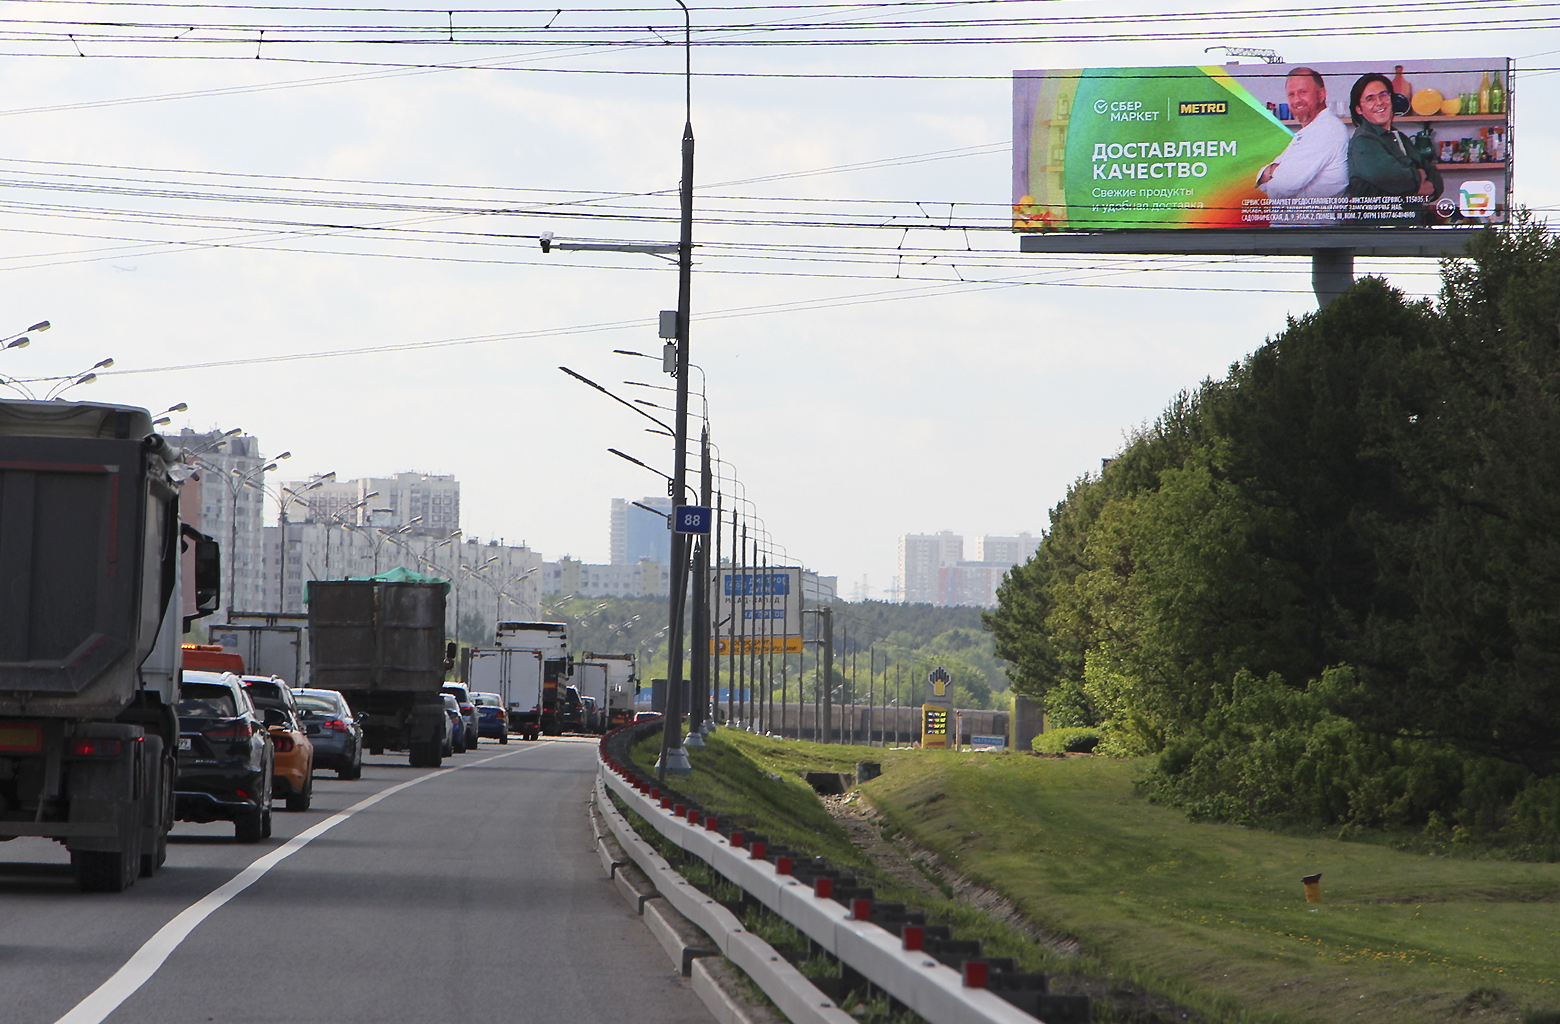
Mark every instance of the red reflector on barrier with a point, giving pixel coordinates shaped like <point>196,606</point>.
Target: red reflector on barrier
<point>94,748</point>
<point>655,793</point>
<point>666,801</point>
<point>823,888</point>
<point>757,850</point>
<point>975,973</point>
<point>710,823</point>
<point>736,840</point>
<point>681,810</point>
<point>914,936</point>
<point>861,909</point>
<point>782,865</point>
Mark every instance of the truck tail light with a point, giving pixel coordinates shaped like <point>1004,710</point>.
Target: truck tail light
<point>84,747</point>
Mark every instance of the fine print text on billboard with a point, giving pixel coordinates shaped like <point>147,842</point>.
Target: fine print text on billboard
<point>1334,145</point>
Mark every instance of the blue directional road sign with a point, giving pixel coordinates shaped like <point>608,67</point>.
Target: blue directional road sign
<point>692,519</point>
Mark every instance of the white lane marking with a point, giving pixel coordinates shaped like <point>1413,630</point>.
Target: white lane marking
<point>138,970</point>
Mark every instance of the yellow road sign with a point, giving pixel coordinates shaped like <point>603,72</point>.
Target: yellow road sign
<point>757,644</point>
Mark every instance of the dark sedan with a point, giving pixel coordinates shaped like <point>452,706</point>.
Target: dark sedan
<point>334,731</point>
<point>225,756</point>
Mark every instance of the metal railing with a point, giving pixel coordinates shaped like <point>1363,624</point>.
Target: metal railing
<point>914,977</point>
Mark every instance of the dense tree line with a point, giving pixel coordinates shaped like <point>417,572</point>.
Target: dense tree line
<point>1328,585</point>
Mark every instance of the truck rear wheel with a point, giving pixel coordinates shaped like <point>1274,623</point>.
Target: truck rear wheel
<point>104,870</point>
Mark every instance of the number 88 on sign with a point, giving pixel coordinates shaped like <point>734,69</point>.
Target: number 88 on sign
<point>691,519</point>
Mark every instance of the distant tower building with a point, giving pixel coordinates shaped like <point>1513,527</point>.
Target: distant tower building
<point>1007,550</point>
<point>400,499</point>
<point>230,511</point>
<point>920,556</point>
<point>638,535</point>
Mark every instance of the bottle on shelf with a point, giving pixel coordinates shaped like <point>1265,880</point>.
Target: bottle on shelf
<point>1484,94</point>
<point>1400,85</point>
<point>1497,95</point>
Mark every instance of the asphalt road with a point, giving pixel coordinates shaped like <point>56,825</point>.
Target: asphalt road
<point>473,895</point>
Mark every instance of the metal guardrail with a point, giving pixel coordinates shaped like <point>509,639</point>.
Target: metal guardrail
<point>928,987</point>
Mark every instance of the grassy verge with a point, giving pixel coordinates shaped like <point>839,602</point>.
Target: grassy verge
<point>1213,915</point>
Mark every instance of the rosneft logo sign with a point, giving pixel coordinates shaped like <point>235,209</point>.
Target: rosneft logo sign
<point>1198,107</point>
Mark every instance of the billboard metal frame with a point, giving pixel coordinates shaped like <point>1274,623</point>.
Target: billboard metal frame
<point>1332,251</point>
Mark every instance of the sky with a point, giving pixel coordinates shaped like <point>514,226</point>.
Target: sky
<point>329,239</point>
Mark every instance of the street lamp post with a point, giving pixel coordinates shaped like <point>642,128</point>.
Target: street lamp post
<point>284,498</point>
<point>235,481</point>
<point>671,736</point>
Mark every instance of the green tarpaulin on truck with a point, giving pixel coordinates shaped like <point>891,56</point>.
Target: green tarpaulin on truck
<point>401,574</point>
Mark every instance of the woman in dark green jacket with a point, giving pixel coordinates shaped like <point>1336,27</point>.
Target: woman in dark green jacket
<point>1382,161</point>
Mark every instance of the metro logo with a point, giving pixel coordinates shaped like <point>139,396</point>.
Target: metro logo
<point>1193,108</point>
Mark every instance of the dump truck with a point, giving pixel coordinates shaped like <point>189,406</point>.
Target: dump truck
<point>380,641</point>
<point>91,622</point>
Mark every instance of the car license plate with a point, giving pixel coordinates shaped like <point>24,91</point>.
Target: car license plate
<point>184,743</point>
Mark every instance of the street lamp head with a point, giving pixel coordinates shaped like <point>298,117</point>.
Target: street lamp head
<point>21,342</point>
<point>102,364</point>
<point>284,455</point>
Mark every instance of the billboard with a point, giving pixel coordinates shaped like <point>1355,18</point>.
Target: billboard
<point>1257,146</point>
<point>758,602</point>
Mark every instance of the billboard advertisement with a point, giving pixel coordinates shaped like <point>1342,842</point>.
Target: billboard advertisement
<point>1258,146</point>
<point>758,602</point>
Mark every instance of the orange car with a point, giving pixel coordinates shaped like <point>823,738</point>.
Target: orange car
<point>292,775</point>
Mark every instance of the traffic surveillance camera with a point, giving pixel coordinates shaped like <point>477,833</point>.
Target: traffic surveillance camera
<point>546,240</point>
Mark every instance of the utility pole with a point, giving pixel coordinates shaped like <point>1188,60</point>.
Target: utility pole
<point>828,675</point>
<point>671,736</point>
<point>700,634</point>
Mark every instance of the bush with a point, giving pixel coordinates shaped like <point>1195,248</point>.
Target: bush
<point>1068,741</point>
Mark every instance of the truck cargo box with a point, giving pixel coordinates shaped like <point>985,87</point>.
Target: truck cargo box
<point>376,635</point>
<point>88,519</point>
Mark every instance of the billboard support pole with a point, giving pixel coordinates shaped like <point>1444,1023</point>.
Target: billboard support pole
<point>1332,273</point>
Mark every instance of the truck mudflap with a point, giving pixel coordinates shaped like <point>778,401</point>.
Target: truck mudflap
<point>105,778</point>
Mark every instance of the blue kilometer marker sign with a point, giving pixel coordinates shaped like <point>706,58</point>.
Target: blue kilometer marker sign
<point>691,519</point>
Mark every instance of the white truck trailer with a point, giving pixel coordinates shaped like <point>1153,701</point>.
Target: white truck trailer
<point>622,686</point>
<point>551,641</point>
<point>516,676</point>
<point>271,643</point>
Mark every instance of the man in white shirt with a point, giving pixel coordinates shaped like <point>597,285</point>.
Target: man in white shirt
<point>1315,165</point>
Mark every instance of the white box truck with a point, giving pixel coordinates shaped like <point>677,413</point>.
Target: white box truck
<point>274,644</point>
<point>551,641</point>
<point>622,687</point>
<point>516,676</point>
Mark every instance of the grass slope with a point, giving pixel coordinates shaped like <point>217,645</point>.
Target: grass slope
<point>1212,915</point>
<point>1400,937</point>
